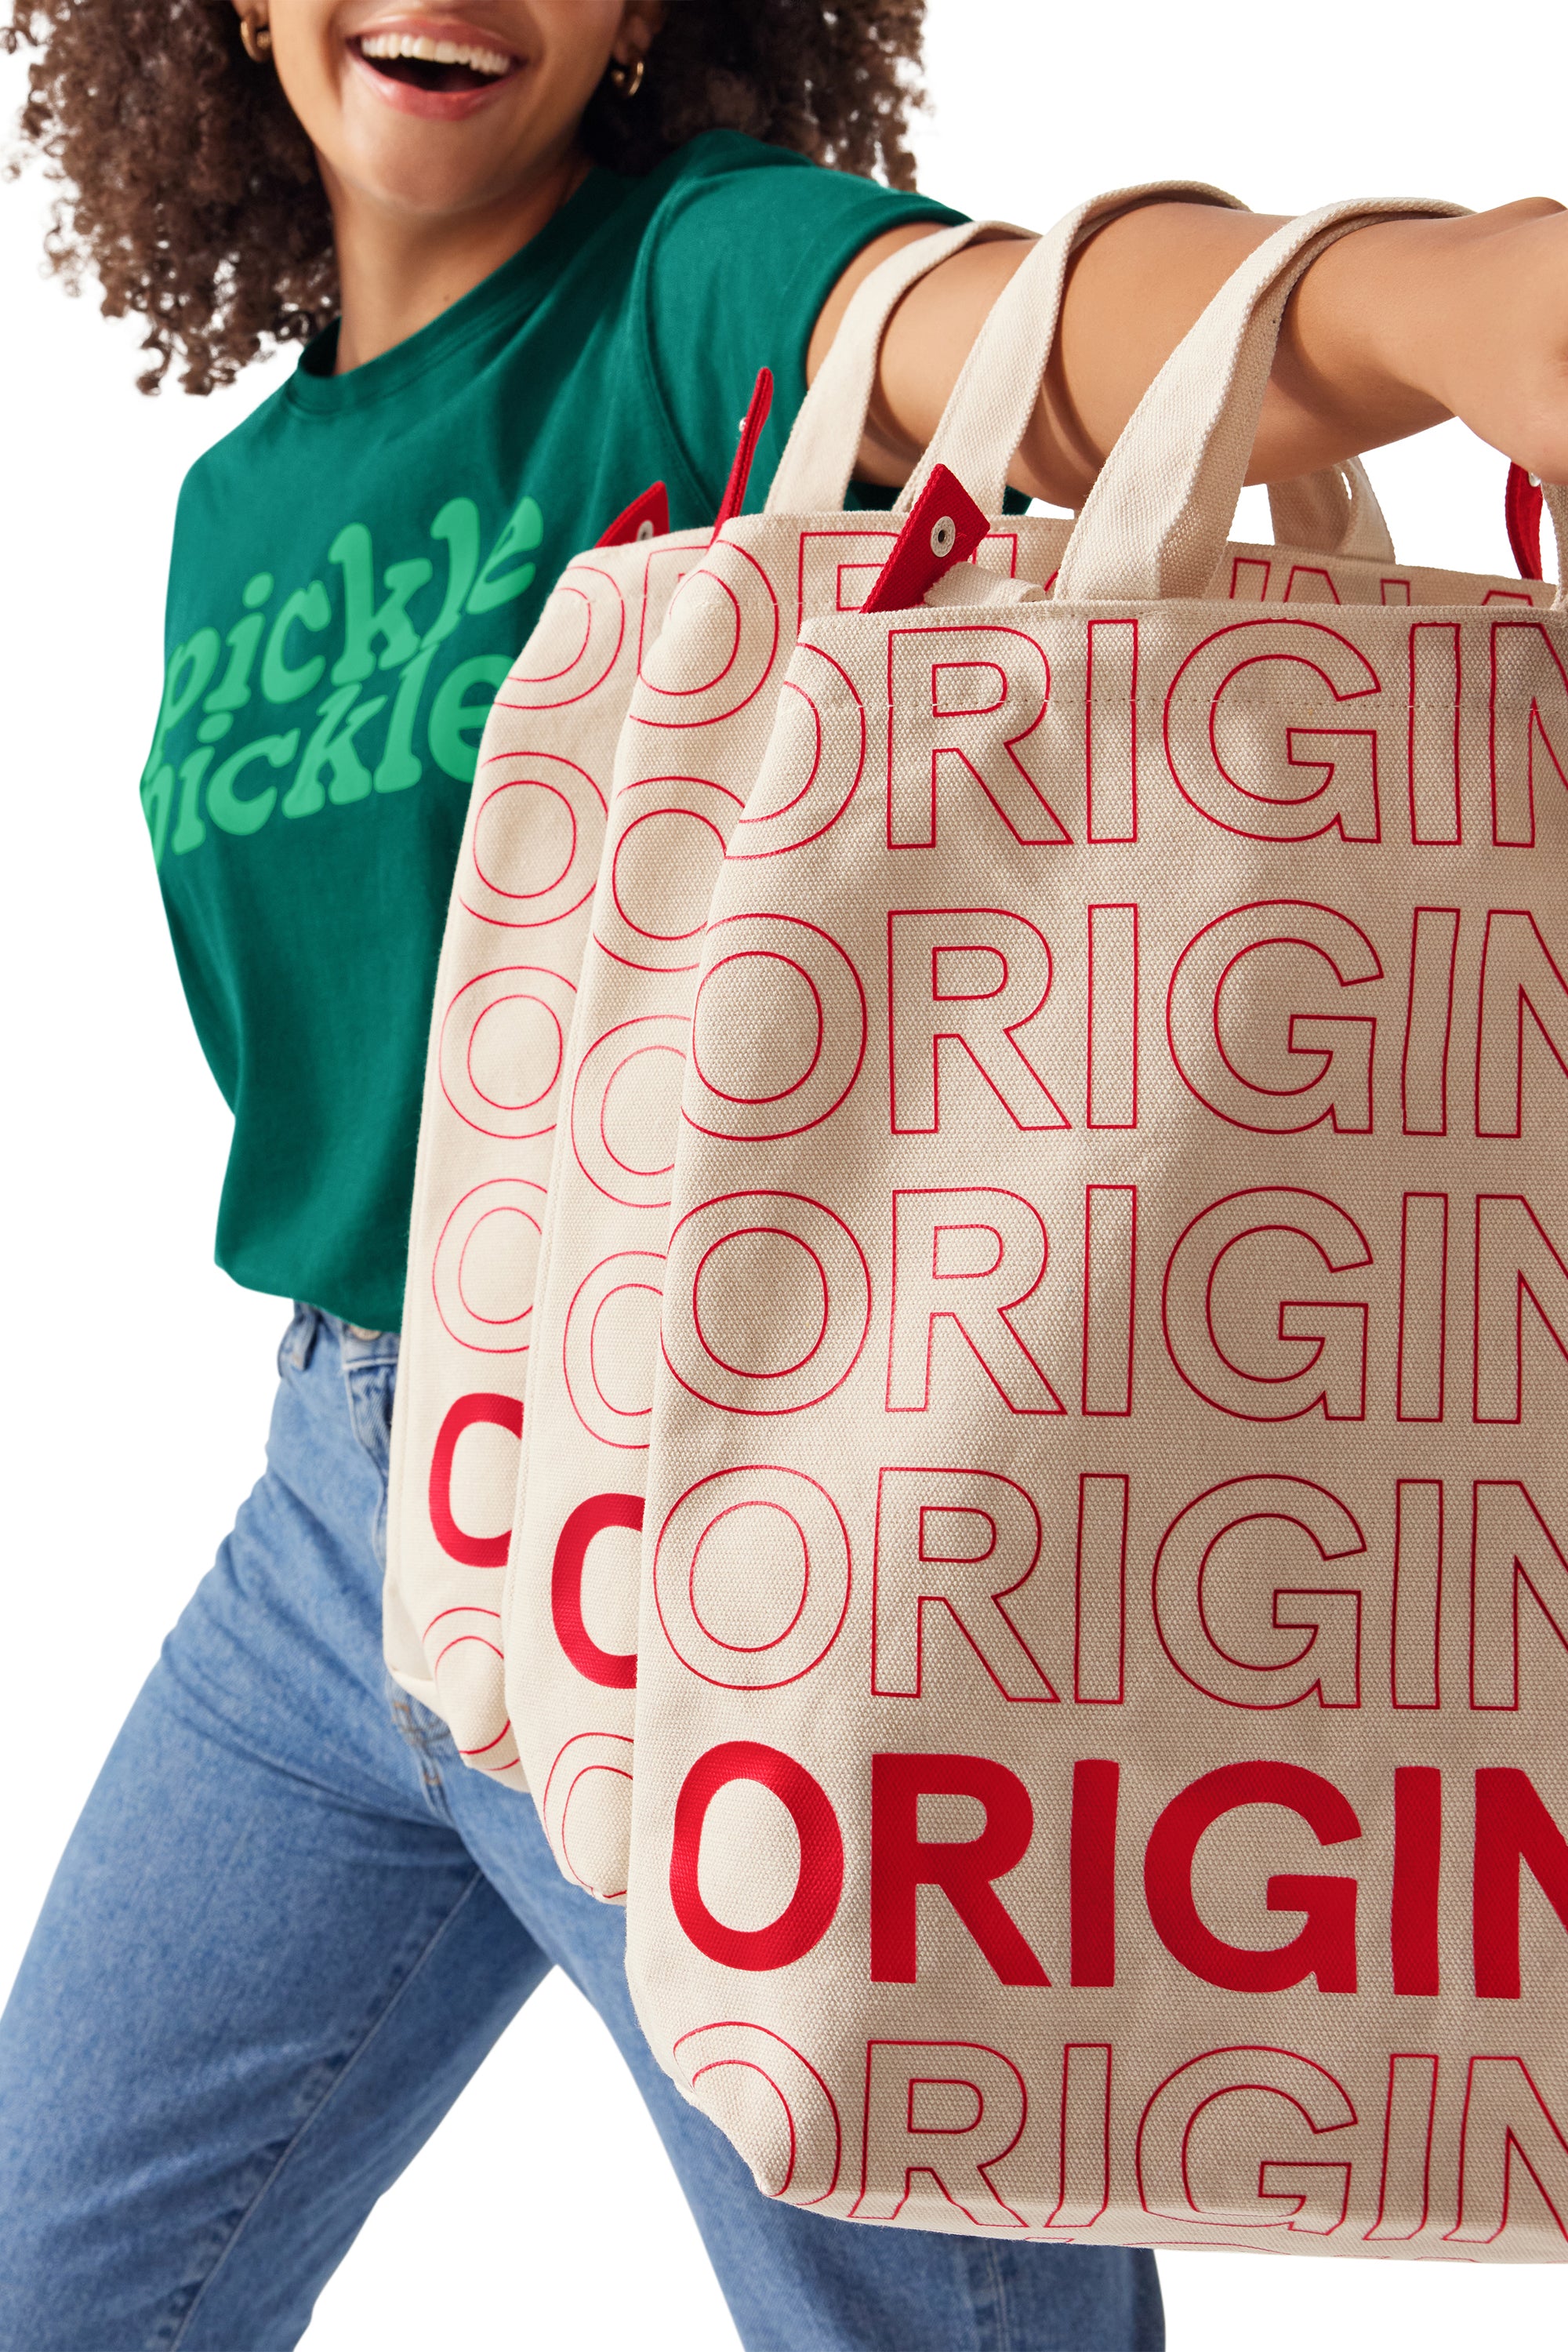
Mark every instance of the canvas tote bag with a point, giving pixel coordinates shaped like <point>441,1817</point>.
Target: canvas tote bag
<point>511,952</point>
<point>696,729</point>
<point>699,719</point>
<point>515,929</point>
<point>513,946</point>
<point>570,1598</point>
<point>1099,1764</point>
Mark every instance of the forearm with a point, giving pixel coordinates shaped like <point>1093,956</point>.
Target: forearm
<point>1131,294</point>
<point>1394,328</point>
<point>1139,287</point>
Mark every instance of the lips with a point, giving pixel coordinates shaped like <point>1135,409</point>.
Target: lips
<point>433,67</point>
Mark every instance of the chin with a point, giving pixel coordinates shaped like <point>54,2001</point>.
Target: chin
<point>436,169</point>
<point>431,189</point>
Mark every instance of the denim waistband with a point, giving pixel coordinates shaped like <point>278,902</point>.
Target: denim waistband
<point>354,1345</point>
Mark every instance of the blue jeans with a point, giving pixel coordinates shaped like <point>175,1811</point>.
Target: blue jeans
<point>289,1926</point>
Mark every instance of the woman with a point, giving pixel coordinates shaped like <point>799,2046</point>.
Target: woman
<point>540,248</point>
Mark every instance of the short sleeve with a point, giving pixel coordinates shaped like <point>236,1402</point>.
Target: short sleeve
<point>740,257</point>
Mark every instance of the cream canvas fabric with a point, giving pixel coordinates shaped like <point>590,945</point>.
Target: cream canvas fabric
<point>1100,1768</point>
<point>516,927</point>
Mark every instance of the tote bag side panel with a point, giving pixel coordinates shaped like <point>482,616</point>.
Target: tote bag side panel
<point>1104,1606</point>
<point>505,984</point>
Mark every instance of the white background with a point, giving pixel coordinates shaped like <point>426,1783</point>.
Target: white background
<point>137,1379</point>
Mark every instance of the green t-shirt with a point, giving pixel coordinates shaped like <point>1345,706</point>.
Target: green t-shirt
<point>354,570</point>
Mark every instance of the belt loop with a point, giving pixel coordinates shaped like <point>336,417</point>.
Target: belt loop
<point>299,1340</point>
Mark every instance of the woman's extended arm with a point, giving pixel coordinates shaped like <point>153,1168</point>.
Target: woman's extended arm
<point>1394,328</point>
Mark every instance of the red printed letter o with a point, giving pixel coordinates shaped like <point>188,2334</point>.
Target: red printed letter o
<point>810,1911</point>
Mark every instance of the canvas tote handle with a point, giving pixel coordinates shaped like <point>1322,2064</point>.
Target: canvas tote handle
<point>1156,520</point>
<point>1335,511</point>
<point>989,410</point>
<point>815,471</point>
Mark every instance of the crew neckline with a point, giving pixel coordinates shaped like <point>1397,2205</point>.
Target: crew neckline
<point>510,291</point>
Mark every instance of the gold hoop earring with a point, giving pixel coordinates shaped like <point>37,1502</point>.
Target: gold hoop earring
<point>626,80</point>
<point>256,34</point>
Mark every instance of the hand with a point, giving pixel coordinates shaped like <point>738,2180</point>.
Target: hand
<point>1410,321</point>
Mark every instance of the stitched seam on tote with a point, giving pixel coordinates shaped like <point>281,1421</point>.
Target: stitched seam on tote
<point>317,2110</point>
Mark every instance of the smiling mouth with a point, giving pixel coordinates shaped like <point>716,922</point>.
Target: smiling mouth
<point>419,62</point>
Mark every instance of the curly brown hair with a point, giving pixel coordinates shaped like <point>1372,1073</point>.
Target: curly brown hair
<point>191,193</point>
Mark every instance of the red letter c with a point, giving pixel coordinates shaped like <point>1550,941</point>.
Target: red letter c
<point>474,1551</point>
<point>612,1669</point>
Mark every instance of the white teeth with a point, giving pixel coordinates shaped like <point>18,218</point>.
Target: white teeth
<point>494,62</point>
